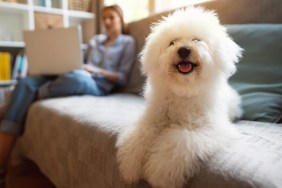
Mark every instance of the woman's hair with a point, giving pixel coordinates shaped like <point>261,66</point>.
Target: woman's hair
<point>119,11</point>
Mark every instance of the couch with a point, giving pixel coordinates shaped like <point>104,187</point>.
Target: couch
<point>72,139</point>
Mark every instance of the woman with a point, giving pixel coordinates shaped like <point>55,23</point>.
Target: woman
<point>108,63</point>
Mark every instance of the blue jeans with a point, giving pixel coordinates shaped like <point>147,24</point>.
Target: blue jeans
<point>74,83</point>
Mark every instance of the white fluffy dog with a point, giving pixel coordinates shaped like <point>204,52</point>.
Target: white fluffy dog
<point>187,59</point>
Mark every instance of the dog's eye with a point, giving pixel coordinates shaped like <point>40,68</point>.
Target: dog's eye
<point>196,40</point>
<point>173,42</point>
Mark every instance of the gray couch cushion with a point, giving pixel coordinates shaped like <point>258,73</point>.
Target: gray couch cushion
<point>259,75</point>
<point>73,142</point>
<point>255,162</point>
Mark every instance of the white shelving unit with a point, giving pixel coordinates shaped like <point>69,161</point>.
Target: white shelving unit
<point>17,17</point>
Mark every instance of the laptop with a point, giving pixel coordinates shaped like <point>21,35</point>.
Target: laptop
<point>54,51</point>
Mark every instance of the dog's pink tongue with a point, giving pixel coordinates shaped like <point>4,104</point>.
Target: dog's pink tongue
<point>185,67</point>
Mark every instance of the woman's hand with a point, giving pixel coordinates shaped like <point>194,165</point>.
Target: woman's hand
<point>92,69</point>
<point>112,76</point>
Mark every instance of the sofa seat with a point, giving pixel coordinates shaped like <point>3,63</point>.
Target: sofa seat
<point>73,139</point>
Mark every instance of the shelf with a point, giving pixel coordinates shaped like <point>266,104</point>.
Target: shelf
<point>17,17</point>
<point>48,10</point>
<point>12,44</point>
<point>6,83</point>
<point>19,44</point>
<point>13,7</point>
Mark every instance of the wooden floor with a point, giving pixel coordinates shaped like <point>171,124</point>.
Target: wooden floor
<point>23,173</point>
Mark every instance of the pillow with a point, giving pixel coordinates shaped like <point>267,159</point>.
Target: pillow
<point>259,73</point>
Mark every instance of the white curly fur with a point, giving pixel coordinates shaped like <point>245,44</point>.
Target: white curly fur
<point>188,116</point>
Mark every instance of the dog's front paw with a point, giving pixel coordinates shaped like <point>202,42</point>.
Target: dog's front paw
<point>129,156</point>
<point>129,166</point>
<point>166,172</point>
<point>172,160</point>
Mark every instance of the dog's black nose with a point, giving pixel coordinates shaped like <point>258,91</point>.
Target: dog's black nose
<point>184,52</point>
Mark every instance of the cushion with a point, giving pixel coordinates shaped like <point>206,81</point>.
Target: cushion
<point>259,73</point>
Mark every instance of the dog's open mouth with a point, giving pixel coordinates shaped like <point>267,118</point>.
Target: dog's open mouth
<point>185,67</point>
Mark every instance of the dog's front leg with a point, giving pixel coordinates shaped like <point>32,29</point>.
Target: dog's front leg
<point>132,145</point>
<point>172,159</point>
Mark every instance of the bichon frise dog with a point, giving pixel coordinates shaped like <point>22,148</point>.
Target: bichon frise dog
<point>187,59</point>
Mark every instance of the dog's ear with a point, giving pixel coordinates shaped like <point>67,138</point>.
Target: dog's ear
<point>145,65</point>
<point>149,55</point>
<point>229,53</point>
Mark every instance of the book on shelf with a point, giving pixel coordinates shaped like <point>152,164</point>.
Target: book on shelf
<point>6,84</point>
<point>20,66</point>
<point>11,71</point>
<point>5,66</point>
